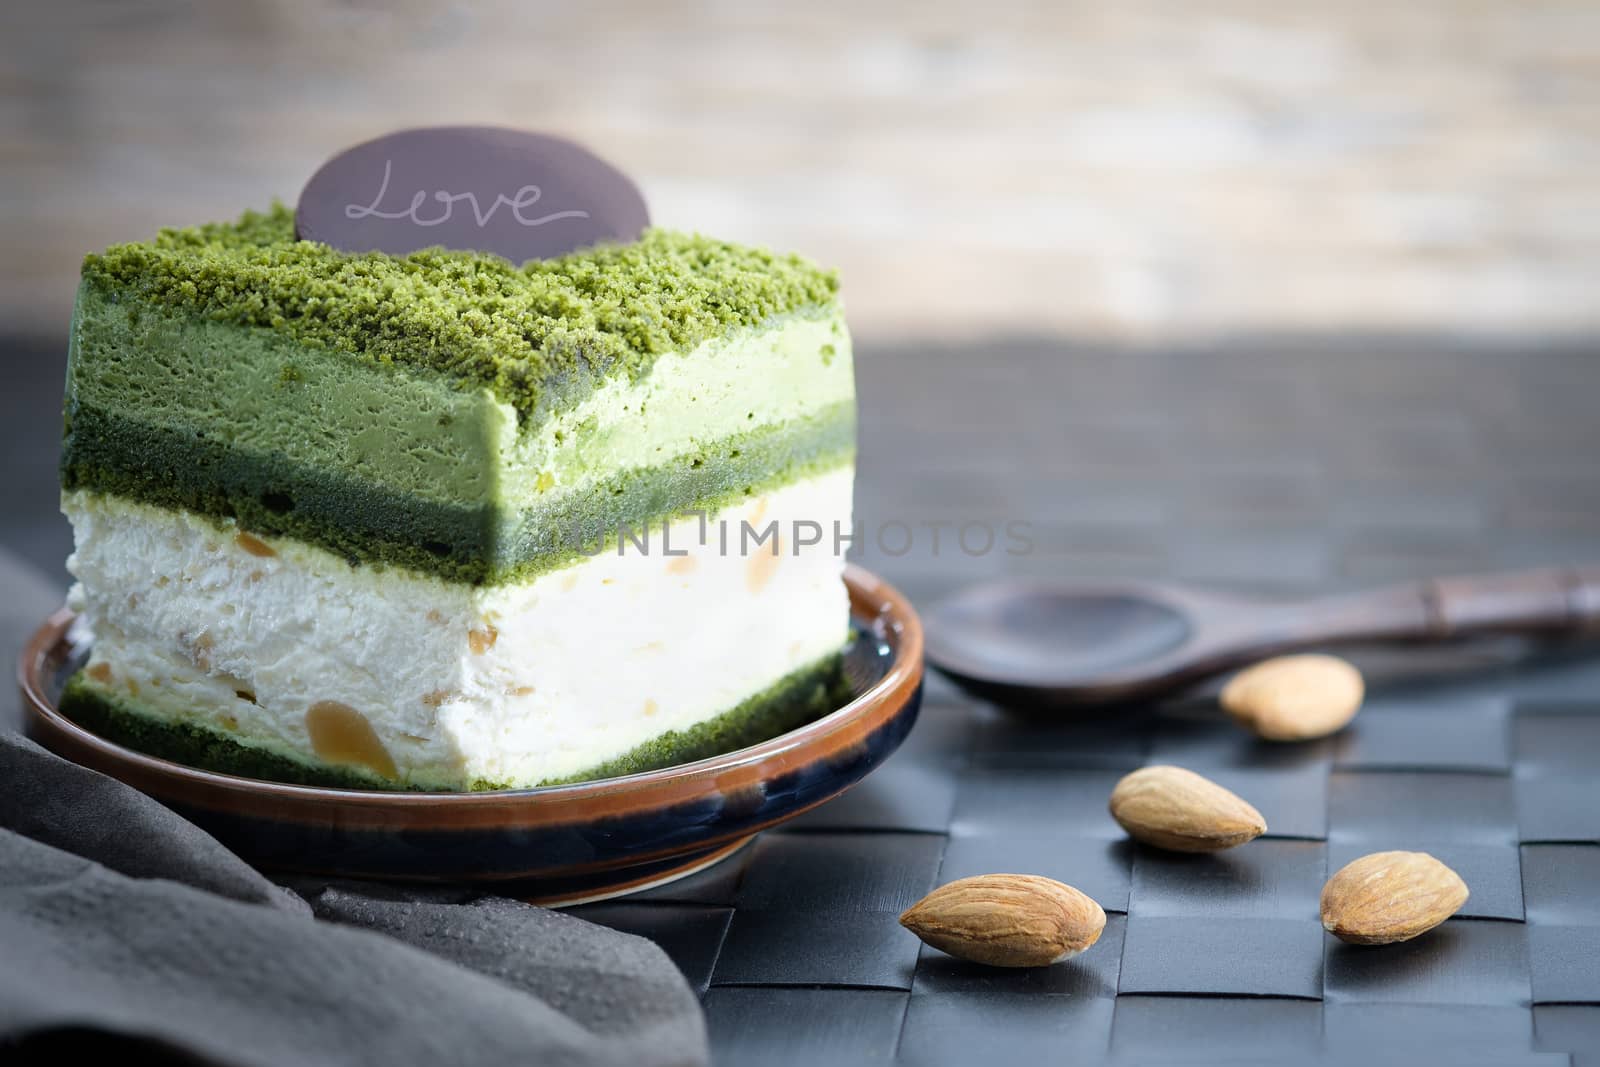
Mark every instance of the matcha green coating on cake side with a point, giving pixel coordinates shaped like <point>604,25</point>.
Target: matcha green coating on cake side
<point>796,699</point>
<point>534,335</point>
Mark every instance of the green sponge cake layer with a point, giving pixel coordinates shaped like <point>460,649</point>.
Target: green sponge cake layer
<point>190,385</point>
<point>478,543</point>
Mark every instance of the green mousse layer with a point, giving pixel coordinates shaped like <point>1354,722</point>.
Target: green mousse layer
<point>535,336</point>
<point>799,698</point>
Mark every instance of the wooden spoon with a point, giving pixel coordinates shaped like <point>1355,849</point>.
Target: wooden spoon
<point>1078,644</point>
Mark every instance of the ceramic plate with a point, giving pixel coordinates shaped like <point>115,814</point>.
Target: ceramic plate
<point>560,844</point>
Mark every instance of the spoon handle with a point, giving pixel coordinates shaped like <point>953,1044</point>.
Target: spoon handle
<point>1549,600</point>
<point>1552,600</point>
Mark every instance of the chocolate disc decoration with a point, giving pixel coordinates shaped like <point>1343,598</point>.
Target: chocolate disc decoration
<point>475,188</point>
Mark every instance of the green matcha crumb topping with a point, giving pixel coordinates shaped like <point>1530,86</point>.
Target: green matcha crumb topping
<point>530,334</point>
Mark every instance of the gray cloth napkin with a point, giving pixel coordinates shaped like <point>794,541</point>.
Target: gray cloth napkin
<point>121,918</point>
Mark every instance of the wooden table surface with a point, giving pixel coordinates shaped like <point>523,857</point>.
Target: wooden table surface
<point>1152,170</point>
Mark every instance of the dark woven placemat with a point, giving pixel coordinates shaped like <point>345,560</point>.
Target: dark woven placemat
<point>1285,468</point>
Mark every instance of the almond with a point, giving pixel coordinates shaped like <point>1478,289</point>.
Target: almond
<point>1390,896</point>
<point>1007,920</point>
<point>1172,808</point>
<point>1295,698</point>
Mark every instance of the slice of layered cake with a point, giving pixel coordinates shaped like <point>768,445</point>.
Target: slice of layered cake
<point>438,521</point>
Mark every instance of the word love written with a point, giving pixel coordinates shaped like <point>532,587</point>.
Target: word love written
<point>520,201</point>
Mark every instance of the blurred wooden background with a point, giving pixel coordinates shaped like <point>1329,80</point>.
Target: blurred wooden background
<point>1148,170</point>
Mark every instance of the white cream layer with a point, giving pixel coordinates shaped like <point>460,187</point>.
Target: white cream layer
<point>511,684</point>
